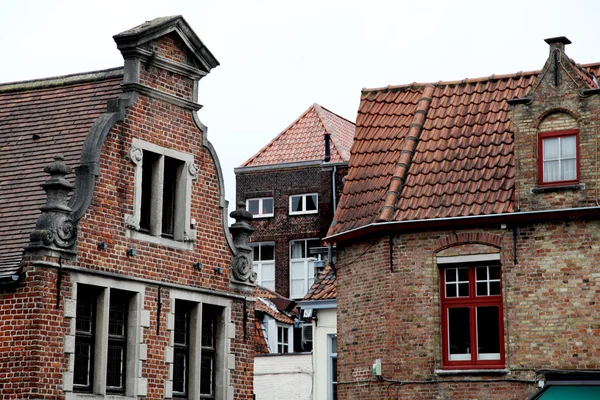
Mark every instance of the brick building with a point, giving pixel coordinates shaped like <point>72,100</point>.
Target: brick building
<point>130,286</point>
<point>291,186</point>
<point>468,239</point>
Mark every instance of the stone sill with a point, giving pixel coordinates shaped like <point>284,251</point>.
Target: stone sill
<point>451,372</point>
<point>558,188</point>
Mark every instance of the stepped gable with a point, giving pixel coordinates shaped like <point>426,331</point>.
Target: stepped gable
<point>39,119</point>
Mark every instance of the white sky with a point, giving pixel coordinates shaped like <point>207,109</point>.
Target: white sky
<point>278,57</point>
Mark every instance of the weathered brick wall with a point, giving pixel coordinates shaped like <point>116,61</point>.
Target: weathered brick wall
<point>549,295</point>
<point>282,227</point>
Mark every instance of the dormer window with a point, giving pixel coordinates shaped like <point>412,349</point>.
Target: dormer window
<point>558,157</point>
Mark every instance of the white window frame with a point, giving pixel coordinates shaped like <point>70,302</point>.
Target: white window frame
<point>331,355</point>
<point>183,234</point>
<point>136,349</point>
<point>308,269</point>
<point>303,202</point>
<point>290,339</point>
<point>225,360</point>
<point>260,264</point>
<point>260,207</point>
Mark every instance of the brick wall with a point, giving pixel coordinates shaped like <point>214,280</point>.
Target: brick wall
<point>282,227</point>
<point>34,354</point>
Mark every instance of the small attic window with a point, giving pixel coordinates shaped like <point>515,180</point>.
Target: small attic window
<point>558,157</point>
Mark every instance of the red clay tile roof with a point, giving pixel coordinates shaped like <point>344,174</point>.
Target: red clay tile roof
<point>273,305</point>
<point>304,140</point>
<point>324,287</point>
<point>260,343</point>
<point>37,120</point>
<point>463,162</point>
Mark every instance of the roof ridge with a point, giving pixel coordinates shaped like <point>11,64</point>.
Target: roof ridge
<point>328,128</point>
<point>341,150</point>
<point>418,85</point>
<point>61,80</point>
<point>406,155</point>
<point>248,161</point>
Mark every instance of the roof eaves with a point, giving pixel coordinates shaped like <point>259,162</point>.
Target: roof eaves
<point>64,80</point>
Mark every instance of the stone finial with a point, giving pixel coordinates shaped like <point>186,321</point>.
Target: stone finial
<point>241,265</point>
<point>55,231</point>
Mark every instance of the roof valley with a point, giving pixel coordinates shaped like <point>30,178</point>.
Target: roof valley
<point>406,155</point>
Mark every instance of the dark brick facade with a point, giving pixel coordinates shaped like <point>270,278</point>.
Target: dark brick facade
<point>280,182</point>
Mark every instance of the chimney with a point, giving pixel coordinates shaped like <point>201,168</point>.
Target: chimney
<point>557,43</point>
<point>327,147</point>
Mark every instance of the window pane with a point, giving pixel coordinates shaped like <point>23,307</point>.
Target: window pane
<point>482,289</point>
<point>481,273</point>
<point>115,366</point>
<point>298,270</point>
<point>451,290</point>
<point>298,249</point>
<point>267,252</point>
<point>550,149</point>
<point>172,171</point>
<point>296,204</point>
<point>494,288</point>
<point>268,271</point>
<point>255,252</point>
<point>297,290</point>
<point>267,205</point>
<point>569,169</point>
<point>206,374</point>
<point>551,171</point>
<point>253,206</point>
<point>451,275</point>
<point>459,340</point>
<point>568,146</point>
<point>488,333</point>
<point>149,159</point>
<point>494,272</point>
<point>83,357</point>
<point>463,289</point>
<point>311,202</point>
<point>179,371</point>
<point>463,274</point>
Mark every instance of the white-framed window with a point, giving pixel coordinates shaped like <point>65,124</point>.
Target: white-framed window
<point>105,340</point>
<point>332,367</point>
<point>162,195</point>
<point>263,262</point>
<point>302,266</point>
<point>304,204</point>
<point>260,207</point>
<point>199,332</point>
<point>284,339</point>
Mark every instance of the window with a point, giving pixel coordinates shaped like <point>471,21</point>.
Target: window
<point>303,204</point>
<point>181,348</point>
<point>558,157</point>
<point>302,274</point>
<point>283,339</point>
<point>104,336</point>
<point>260,208</point>
<point>332,376</point>
<point>208,356</point>
<point>263,256</point>
<point>163,179</point>
<point>199,348</point>
<point>472,316</point>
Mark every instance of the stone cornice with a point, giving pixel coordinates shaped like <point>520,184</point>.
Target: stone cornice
<point>158,95</point>
<point>150,58</point>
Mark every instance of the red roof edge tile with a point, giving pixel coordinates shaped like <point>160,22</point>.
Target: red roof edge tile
<point>406,154</point>
<point>249,161</point>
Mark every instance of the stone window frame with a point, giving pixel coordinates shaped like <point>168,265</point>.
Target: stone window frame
<point>309,274</point>
<point>184,234</point>
<point>225,360</point>
<point>260,207</point>
<point>303,197</point>
<point>472,302</point>
<point>553,135</point>
<point>257,265</point>
<point>137,351</point>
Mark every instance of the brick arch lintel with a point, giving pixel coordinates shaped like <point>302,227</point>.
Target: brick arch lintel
<point>537,120</point>
<point>458,239</point>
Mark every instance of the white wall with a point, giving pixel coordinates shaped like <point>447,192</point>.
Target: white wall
<point>326,325</point>
<point>287,376</point>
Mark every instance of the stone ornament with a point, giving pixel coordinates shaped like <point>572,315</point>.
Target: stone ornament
<point>136,155</point>
<point>193,170</point>
<point>241,265</point>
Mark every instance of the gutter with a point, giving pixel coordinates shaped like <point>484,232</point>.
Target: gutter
<point>317,304</point>
<point>453,222</point>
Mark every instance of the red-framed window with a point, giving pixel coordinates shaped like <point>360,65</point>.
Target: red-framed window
<point>472,316</point>
<point>558,157</point>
